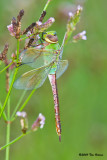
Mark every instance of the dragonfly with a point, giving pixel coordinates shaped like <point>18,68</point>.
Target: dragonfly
<point>46,61</point>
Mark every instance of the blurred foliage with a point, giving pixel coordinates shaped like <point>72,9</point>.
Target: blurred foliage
<point>82,88</point>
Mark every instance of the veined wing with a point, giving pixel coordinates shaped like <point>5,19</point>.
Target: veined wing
<point>37,57</point>
<point>33,78</point>
<point>61,67</point>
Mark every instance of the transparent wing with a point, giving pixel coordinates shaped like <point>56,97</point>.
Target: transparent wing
<point>33,78</point>
<point>37,57</point>
<point>61,67</point>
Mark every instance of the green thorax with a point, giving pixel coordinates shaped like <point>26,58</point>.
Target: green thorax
<point>55,47</point>
<point>51,43</point>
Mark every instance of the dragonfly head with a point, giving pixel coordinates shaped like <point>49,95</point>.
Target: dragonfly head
<point>50,37</point>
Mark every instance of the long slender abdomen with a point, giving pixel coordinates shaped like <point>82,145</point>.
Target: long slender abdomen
<point>52,78</point>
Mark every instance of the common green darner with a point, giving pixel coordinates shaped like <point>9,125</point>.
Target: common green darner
<point>46,61</point>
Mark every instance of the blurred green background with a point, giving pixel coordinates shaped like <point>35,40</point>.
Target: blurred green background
<point>82,89</point>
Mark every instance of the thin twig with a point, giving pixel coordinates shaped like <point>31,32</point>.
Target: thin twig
<point>16,70</point>
<point>15,140</point>
<point>6,67</point>
<point>8,131</point>
<point>18,104</point>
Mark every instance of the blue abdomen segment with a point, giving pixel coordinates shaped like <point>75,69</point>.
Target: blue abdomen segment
<point>53,69</point>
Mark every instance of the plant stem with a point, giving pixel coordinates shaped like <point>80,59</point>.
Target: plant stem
<point>47,3</point>
<point>8,109</point>
<point>16,70</point>
<point>18,104</point>
<point>21,39</point>
<point>7,141</point>
<point>6,67</point>
<point>24,104</point>
<point>8,93</point>
<point>15,140</point>
<point>8,131</point>
<point>18,42</point>
<point>4,115</point>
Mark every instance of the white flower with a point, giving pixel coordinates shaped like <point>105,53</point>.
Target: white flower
<point>83,35</point>
<point>80,8</point>
<point>42,120</point>
<point>39,23</point>
<point>52,19</point>
<point>21,114</point>
<point>70,14</point>
<point>28,33</point>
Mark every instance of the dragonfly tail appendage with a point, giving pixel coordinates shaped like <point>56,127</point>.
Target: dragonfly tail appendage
<point>52,78</point>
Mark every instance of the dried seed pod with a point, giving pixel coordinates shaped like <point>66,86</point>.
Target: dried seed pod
<point>4,52</point>
<point>3,57</point>
<point>15,26</point>
<point>29,28</point>
<point>23,120</point>
<point>41,27</point>
<point>14,23</point>
<point>20,15</point>
<point>42,16</point>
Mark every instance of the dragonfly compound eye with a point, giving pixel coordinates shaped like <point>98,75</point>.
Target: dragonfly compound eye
<point>51,38</point>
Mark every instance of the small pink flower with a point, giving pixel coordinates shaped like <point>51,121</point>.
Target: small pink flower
<point>49,22</point>
<point>13,56</point>
<point>28,33</point>
<point>39,23</point>
<point>10,29</point>
<point>81,35</point>
<point>52,19</point>
<point>40,121</point>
